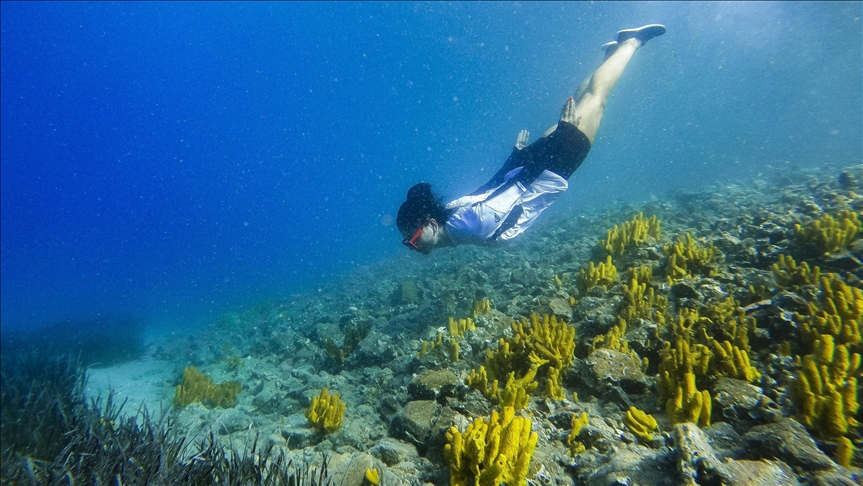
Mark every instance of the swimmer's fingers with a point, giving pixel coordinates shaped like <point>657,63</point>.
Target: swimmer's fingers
<point>567,114</point>
<point>523,138</point>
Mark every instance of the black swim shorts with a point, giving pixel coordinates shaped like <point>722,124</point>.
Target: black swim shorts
<point>561,152</point>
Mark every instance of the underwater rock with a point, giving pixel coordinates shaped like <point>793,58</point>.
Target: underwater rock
<point>835,478</point>
<point>560,308</point>
<point>847,180</point>
<point>598,436</point>
<point>842,260</point>
<point>758,473</point>
<point>392,451</point>
<point>633,465</point>
<point>270,399</point>
<point>791,302</point>
<point>595,315</point>
<point>737,399</point>
<point>375,349</point>
<point>296,431</point>
<point>300,438</point>
<point>233,420</point>
<point>683,290</point>
<point>607,366</point>
<point>722,436</point>
<point>524,276</point>
<point>409,292</point>
<point>788,441</point>
<point>697,462</point>
<point>362,428</point>
<point>414,422</point>
<point>349,469</point>
<point>432,385</point>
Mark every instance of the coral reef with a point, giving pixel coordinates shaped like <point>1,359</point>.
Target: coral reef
<point>710,359</point>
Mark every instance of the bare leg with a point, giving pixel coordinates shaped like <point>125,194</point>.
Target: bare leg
<point>585,111</point>
<point>589,109</point>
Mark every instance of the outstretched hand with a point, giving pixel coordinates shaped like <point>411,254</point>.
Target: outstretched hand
<point>523,138</point>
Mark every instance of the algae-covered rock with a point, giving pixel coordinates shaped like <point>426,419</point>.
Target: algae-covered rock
<point>697,462</point>
<point>560,307</point>
<point>350,468</point>
<point>737,399</point>
<point>414,422</point>
<point>607,366</point>
<point>392,451</point>
<point>374,349</point>
<point>634,465</point>
<point>432,384</point>
<point>410,292</point>
<point>836,478</point>
<point>788,441</point>
<point>758,473</point>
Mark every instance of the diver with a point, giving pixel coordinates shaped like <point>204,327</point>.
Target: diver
<point>532,177</point>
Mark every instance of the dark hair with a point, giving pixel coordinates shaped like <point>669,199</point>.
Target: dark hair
<point>420,206</point>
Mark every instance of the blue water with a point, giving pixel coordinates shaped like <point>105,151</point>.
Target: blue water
<point>168,162</point>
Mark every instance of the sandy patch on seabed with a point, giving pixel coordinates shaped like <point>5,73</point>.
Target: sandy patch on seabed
<point>147,381</point>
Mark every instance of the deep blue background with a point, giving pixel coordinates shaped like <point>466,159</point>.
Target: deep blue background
<point>169,162</point>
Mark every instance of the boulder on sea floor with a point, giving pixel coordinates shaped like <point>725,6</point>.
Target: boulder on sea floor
<point>432,385</point>
<point>610,374</point>
<point>698,463</point>
<point>413,423</point>
<point>788,441</point>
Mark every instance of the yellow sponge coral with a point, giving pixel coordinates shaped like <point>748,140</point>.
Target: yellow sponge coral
<point>844,452</point>
<point>515,393</point>
<point>827,234</point>
<point>373,476</point>
<point>788,273</point>
<point>459,327</point>
<point>734,362</point>
<point>578,422</point>
<point>604,274</point>
<point>641,424</point>
<point>481,307</point>
<point>326,412</point>
<point>839,313</point>
<point>197,387</point>
<point>491,452</point>
<point>641,302</point>
<point>630,233</point>
<point>825,392</point>
<point>687,257</point>
<point>689,404</point>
